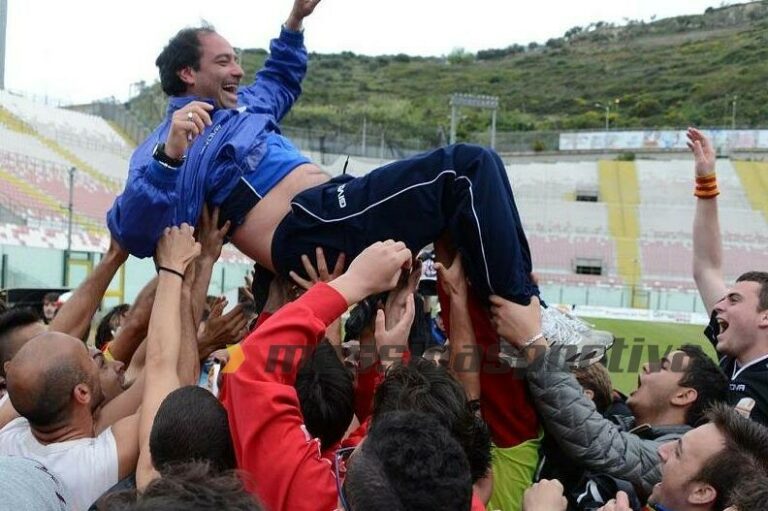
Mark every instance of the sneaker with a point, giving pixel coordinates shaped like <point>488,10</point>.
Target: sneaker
<point>585,345</point>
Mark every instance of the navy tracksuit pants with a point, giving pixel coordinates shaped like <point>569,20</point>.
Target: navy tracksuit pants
<point>462,188</point>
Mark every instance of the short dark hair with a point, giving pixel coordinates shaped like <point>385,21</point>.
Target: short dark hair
<point>408,461</point>
<point>191,424</point>
<point>104,330</point>
<point>750,494</point>
<point>597,379</point>
<point>325,387</point>
<point>185,487</point>
<point>425,387</point>
<point>51,406</point>
<point>705,376</point>
<point>51,297</point>
<point>744,455</point>
<point>9,322</point>
<point>183,50</point>
<point>761,278</point>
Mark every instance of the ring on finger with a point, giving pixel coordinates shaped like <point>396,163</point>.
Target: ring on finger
<point>190,115</point>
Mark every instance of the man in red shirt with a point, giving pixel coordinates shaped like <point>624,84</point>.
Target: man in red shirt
<point>272,444</point>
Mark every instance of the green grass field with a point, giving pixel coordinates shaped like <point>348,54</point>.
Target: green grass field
<point>637,340</point>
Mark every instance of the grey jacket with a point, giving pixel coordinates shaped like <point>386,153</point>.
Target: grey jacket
<point>585,435</point>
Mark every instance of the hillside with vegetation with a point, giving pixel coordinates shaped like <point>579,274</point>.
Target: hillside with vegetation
<point>663,73</point>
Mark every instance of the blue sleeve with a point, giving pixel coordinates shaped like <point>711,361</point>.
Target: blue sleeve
<point>278,85</point>
<point>146,207</point>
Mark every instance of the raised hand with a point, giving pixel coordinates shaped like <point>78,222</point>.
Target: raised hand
<point>703,152</point>
<point>514,322</point>
<point>452,279</point>
<point>395,306</point>
<point>301,9</point>
<point>391,342</point>
<point>186,125</point>
<point>210,236</point>
<point>375,270</point>
<point>177,248</point>
<point>320,274</point>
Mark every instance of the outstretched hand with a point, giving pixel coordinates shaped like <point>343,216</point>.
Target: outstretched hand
<point>452,279</point>
<point>321,274</point>
<point>703,152</point>
<point>301,9</point>
<point>394,337</point>
<point>374,270</point>
<point>396,303</point>
<point>177,248</point>
<point>209,234</point>
<point>516,323</point>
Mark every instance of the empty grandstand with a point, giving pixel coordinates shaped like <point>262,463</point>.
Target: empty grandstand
<point>39,145</point>
<point>601,232</point>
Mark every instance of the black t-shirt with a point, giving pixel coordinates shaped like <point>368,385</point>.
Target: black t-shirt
<point>748,386</point>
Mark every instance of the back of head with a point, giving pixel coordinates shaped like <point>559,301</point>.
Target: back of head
<point>183,50</point>
<point>761,278</point>
<point>104,332</point>
<point>187,487</point>
<point>11,323</point>
<point>596,379</point>
<point>705,376</point>
<point>325,388</point>
<point>422,386</point>
<point>744,456</point>
<point>42,378</point>
<point>750,494</point>
<point>190,425</point>
<point>408,462</point>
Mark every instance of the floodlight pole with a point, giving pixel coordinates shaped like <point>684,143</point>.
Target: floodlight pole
<point>3,25</point>
<point>70,211</point>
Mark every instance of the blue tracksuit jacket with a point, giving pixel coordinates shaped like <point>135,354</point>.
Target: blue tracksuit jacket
<point>156,197</point>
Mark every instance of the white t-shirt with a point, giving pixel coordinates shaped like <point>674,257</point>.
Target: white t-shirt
<point>87,467</point>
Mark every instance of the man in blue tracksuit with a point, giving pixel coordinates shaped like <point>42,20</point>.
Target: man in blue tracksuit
<point>222,146</point>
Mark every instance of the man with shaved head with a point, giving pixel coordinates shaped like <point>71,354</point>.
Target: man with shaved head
<point>53,383</point>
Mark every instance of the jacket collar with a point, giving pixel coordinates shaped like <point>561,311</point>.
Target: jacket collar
<point>177,102</point>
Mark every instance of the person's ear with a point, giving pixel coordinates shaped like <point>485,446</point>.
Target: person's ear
<point>82,393</point>
<point>684,396</point>
<point>187,75</point>
<point>590,394</point>
<point>701,494</point>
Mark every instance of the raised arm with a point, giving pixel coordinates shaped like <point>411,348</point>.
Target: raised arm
<point>583,433</point>
<point>74,317</point>
<point>149,202</point>
<point>175,251</point>
<point>278,83</point>
<point>707,244</point>
<point>465,356</point>
<point>267,428</point>
<point>134,329</point>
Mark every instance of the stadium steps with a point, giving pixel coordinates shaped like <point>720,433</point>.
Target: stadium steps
<point>120,131</point>
<point>89,224</point>
<point>78,163</point>
<point>754,179</point>
<point>619,190</point>
<point>16,124</point>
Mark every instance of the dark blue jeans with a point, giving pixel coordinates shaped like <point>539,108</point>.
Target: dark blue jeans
<point>462,189</point>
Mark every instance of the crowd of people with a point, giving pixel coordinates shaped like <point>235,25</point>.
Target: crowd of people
<point>328,387</point>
